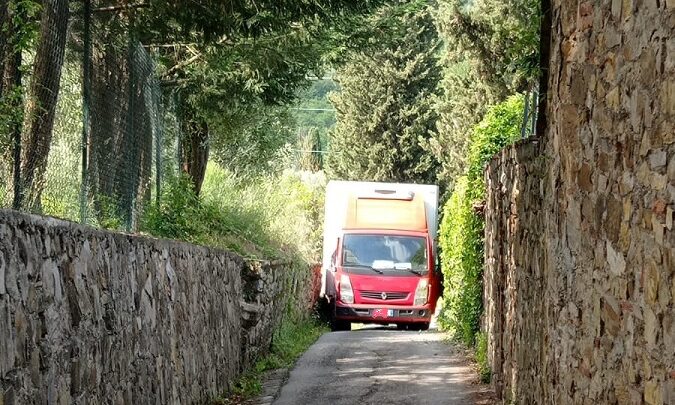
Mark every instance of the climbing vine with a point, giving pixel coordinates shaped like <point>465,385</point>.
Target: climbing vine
<point>461,232</point>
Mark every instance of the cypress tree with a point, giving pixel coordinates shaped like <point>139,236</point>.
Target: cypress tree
<point>385,114</point>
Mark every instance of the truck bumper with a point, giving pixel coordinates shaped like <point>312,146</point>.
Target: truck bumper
<point>382,314</point>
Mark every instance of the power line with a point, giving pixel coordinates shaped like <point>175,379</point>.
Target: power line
<point>309,151</point>
<point>315,109</point>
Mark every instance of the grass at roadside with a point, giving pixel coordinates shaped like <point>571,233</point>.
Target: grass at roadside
<point>477,354</point>
<point>290,342</point>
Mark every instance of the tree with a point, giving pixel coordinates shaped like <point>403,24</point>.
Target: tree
<point>42,99</point>
<point>17,32</point>
<point>229,57</point>
<point>491,51</point>
<point>385,114</point>
<point>501,36</point>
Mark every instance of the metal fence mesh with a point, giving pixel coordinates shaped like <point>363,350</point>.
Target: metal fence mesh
<point>102,161</point>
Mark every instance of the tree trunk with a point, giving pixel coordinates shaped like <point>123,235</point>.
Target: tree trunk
<point>194,146</point>
<point>12,79</point>
<point>11,101</point>
<point>43,96</point>
<point>4,43</point>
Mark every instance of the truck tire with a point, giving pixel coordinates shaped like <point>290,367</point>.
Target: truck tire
<point>338,325</point>
<point>343,325</point>
<point>418,326</point>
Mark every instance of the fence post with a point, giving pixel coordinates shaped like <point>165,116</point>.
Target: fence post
<point>86,99</point>
<point>535,109</point>
<point>13,81</point>
<point>159,140</point>
<point>526,113</point>
<point>16,132</point>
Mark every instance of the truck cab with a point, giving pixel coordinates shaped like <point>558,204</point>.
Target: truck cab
<point>379,239</point>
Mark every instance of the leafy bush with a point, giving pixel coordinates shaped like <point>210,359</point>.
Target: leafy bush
<point>179,214</point>
<point>461,231</point>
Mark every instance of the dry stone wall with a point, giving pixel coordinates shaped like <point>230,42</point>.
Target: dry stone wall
<point>580,245</point>
<point>88,316</point>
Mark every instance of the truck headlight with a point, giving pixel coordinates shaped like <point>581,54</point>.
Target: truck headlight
<point>346,292</point>
<point>422,292</point>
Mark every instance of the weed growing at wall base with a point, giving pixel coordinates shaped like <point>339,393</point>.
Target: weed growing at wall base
<point>481,357</point>
<point>290,341</point>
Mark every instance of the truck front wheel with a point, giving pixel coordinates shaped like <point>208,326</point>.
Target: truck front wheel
<point>337,325</point>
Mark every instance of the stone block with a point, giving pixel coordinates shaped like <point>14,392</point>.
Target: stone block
<point>657,159</point>
<point>615,260</point>
<point>668,96</point>
<point>616,9</point>
<point>659,230</point>
<point>658,181</point>
<point>613,99</point>
<point>653,393</point>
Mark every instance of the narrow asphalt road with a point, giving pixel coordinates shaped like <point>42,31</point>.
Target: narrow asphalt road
<point>379,366</point>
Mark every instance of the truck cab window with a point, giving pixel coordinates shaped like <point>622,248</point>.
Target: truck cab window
<point>385,251</point>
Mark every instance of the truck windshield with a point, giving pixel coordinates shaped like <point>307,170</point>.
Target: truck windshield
<point>385,252</point>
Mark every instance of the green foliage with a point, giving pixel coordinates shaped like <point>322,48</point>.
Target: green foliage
<point>464,100</point>
<point>316,97</point>
<point>461,261</point>
<point>461,231</point>
<point>248,143</point>
<point>501,36</point>
<point>212,19</point>
<point>264,218</point>
<point>179,214</point>
<point>24,25</point>
<point>290,341</point>
<point>252,57</point>
<point>500,127</point>
<point>481,357</point>
<point>61,194</point>
<point>491,51</point>
<point>385,113</point>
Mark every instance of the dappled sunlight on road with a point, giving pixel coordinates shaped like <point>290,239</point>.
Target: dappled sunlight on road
<point>375,365</point>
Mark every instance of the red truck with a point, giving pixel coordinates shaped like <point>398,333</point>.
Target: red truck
<point>379,254</point>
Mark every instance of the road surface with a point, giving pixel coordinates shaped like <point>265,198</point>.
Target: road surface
<point>379,366</point>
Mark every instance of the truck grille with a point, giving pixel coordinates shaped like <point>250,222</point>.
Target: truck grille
<point>389,296</point>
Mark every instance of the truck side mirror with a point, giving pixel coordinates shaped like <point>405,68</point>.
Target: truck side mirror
<point>333,259</point>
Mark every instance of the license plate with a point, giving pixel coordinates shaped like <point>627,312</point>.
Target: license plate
<point>382,313</point>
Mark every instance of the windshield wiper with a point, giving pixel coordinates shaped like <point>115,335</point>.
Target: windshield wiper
<point>419,273</point>
<point>365,266</point>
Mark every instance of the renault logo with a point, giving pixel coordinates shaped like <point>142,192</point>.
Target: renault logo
<point>384,296</point>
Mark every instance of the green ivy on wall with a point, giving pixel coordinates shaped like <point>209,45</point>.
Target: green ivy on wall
<point>462,228</point>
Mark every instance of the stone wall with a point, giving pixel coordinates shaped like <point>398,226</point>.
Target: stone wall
<point>88,316</point>
<point>580,246</point>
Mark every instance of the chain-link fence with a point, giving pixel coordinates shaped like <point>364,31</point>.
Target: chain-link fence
<point>97,134</point>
